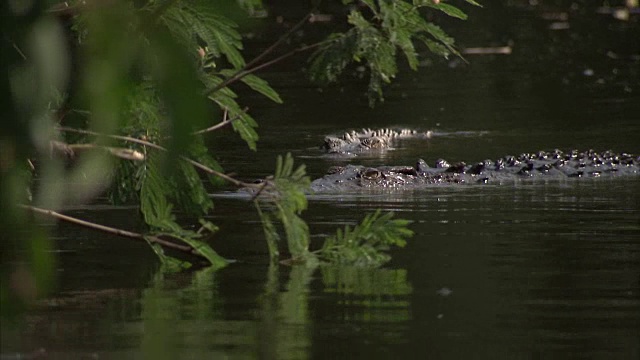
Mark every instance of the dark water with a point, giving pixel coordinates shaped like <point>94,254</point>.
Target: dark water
<point>527,270</point>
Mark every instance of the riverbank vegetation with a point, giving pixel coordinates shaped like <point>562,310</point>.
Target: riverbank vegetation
<point>118,98</point>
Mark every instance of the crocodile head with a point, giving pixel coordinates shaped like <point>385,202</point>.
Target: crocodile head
<point>333,144</point>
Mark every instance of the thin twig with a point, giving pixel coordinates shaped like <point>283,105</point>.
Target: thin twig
<point>242,73</point>
<point>262,187</point>
<point>158,147</point>
<point>64,9</point>
<point>118,137</point>
<point>115,231</point>
<point>123,153</point>
<point>24,57</point>
<point>279,41</point>
<point>282,57</point>
<point>221,124</point>
<point>246,70</point>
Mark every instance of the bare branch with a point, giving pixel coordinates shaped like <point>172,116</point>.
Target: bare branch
<point>115,231</point>
<point>64,9</point>
<point>24,57</point>
<point>221,124</point>
<point>242,73</point>
<point>279,41</point>
<point>249,68</point>
<point>158,147</point>
<point>69,150</point>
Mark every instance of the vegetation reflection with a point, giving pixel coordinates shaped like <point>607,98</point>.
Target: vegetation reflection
<point>188,321</point>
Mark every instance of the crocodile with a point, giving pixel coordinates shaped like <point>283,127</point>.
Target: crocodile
<point>369,139</point>
<point>542,164</point>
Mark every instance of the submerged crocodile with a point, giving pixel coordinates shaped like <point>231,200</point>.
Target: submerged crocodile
<point>553,164</point>
<point>368,139</point>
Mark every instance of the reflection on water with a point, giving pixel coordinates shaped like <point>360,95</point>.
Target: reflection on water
<point>523,270</point>
<point>378,295</point>
<point>182,316</point>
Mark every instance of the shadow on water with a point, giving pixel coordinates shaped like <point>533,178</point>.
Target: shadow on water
<point>528,270</point>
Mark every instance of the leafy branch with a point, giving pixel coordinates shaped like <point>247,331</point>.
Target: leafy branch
<point>367,243</point>
<point>375,37</point>
<point>196,248</point>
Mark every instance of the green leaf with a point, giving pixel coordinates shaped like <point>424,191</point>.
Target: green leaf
<point>435,47</point>
<point>285,198</point>
<point>262,87</point>
<point>208,225</point>
<point>441,36</point>
<point>403,40</point>
<point>216,261</point>
<point>243,124</point>
<point>194,23</point>
<point>450,10</point>
<point>366,244</point>
<point>245,127</point>
<point>329,61</point>
<point>256,84</point>
<point>270,232</point>
<point>230,51</point>
<point>473,3</point>
<point>169,263</point>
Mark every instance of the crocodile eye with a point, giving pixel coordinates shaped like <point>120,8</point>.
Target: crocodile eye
<point>335,170</point>
<point>371,174</point>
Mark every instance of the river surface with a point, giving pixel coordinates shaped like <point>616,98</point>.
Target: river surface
<point>546,269</point>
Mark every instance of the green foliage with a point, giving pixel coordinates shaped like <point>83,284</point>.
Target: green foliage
<point>375,37</point>
<point>147,80</point>
<point>366,244</point>
<point>333,57</point>
<point>157,196</point>
<point>258,85</point>
<point>216,34</point>
<point>215,39</point>
<point>284,197</point>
